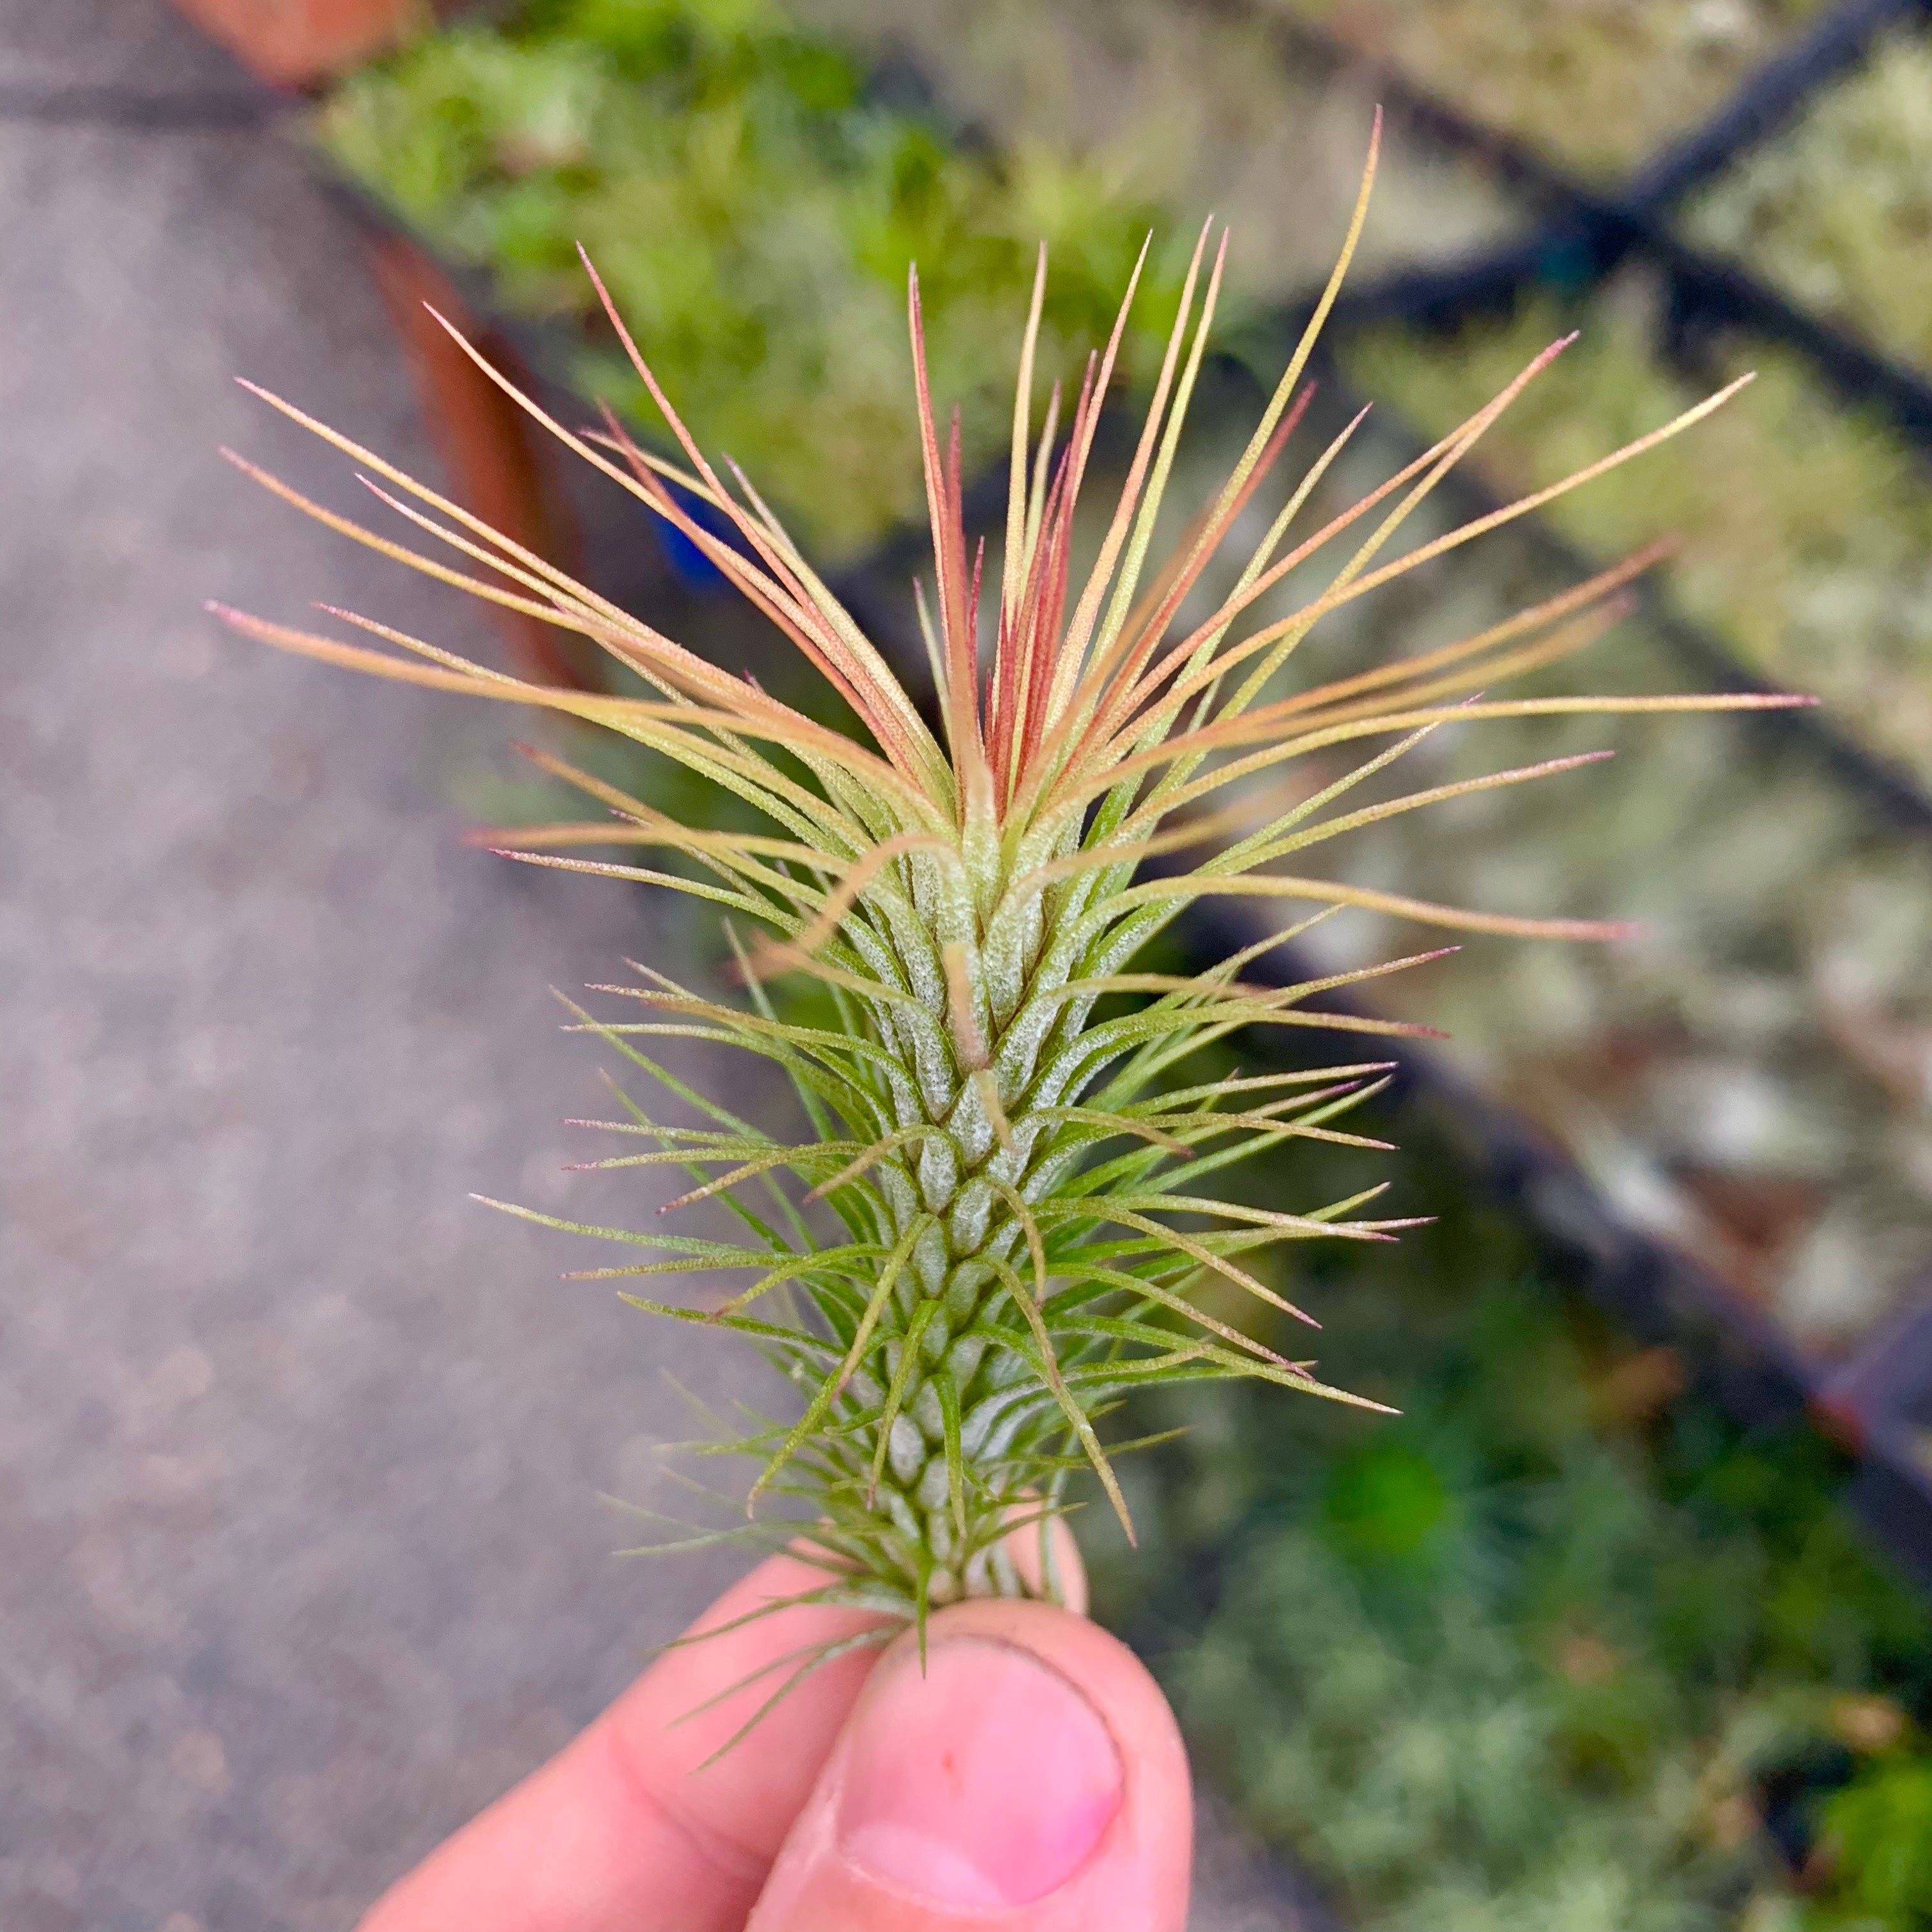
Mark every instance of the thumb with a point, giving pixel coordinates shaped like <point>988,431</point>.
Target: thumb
<point>1030,1778</point>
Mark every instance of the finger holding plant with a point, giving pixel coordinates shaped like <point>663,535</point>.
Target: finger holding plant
<point>1021,1173</point>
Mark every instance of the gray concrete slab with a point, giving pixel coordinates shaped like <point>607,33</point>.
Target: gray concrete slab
<point>301,1558</point>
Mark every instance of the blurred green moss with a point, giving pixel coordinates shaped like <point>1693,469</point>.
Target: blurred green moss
<point>1748,1076</point>
<point>1836,212</point>
<point>1528,1655</point>
<point>1196,108</point>
<point>1808,526</point>
<point>1598,85</point>
<point>755,211</point>
<point>1533,1654</point>
<point>1878,1847</point>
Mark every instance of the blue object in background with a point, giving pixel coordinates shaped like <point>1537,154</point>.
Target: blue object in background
<point>692,569</point>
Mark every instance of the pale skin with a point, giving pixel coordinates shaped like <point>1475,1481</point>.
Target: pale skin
<point>1030,1779</point>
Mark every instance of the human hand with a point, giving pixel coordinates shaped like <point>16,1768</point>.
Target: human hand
<point>1032,1780</point>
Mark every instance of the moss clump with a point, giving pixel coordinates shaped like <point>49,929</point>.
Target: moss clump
<point>1532,1654</point>
<point>1194,107</point>
<point>1878,1846</point>
<point>1809,527</point>
<point>1599,86</point>
<point>755,213</point>
<point>1745,1078</point>
<point>1836,212</point>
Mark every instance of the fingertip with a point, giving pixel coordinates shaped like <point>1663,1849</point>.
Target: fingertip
<point>1108,1675</point>
<point>642,1825</point>
<point>681,1722</point>
<point>1030,1775</point>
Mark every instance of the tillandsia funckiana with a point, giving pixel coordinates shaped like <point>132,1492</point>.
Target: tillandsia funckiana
<point>1018,1163</point>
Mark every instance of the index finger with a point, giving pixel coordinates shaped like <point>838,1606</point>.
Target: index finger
<point>628,1829</point>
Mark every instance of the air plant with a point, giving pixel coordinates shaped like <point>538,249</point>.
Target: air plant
<point>1017,1161</point>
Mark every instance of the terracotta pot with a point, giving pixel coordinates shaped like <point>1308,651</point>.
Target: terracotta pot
<point>296,43</point>
<point>498,465</point>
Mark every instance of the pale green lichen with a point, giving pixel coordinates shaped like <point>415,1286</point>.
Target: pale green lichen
<point>1598,85</point>
<point>1192,106</point>
<point>1812,522</point>
<point>1836,212</point>
<point>1749,1077</point>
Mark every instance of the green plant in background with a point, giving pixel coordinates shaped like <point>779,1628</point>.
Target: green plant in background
<point>1836,212</point>
<point>1184,107</point>
<point>1745,1077</point>
<point>1537,1653</point>
<point>1599,86</point>
<point>1813,556</point>
<point>1878,1846</point>
<point>754,212</point>
<point>1015,1161</point>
